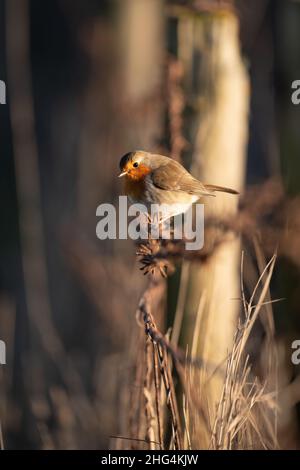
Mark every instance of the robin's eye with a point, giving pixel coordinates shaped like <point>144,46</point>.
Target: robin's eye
<point>135,164</point>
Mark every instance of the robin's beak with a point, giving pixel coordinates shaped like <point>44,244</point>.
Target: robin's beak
<point>123,173</point>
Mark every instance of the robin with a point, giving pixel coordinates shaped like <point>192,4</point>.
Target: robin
<point>156,179</point>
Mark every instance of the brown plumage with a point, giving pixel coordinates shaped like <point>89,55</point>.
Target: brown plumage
<point>151,178</point>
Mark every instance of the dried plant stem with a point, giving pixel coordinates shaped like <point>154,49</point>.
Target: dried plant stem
<point>157,397</point>
<point>1,438</point>
<point>161,351</point>
<point>149,408</point>
<point>241,420</point>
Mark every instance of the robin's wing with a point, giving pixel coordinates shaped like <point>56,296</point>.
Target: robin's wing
<point>173,177</point>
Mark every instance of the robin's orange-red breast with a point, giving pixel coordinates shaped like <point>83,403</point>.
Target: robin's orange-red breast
<point>156,179</point>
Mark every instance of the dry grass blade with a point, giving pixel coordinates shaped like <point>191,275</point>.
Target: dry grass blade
<point>241,421</point>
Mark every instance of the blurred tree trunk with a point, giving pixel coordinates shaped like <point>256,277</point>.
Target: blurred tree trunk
<point>141,52</point>
<point>141,56</point>
<point>121,111</point>
<point>218,90</point>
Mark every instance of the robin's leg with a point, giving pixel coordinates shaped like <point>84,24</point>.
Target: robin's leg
<point>153,223</point>
<point>167,226</point>
<point>148,218</point>
<point>145,221</point>
<point>160,225</point>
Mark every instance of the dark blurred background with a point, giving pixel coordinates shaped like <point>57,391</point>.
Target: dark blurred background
<point>83,88</point>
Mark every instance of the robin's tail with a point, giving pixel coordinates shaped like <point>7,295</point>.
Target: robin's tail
<point>212,187</point>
